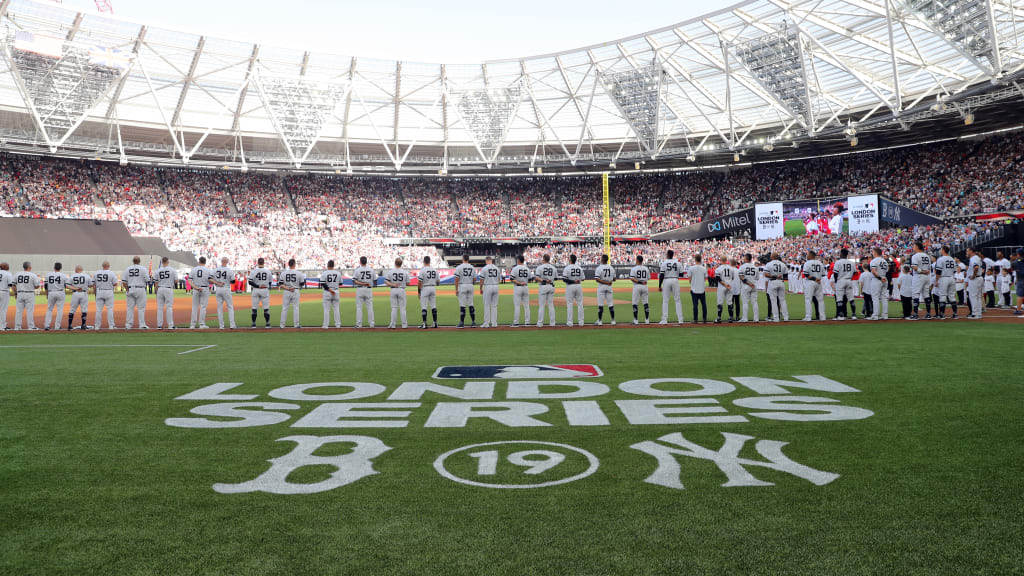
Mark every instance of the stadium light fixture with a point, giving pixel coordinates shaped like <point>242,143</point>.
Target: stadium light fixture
<point>968,25</point>
<point>776,61</point>
<point>299,108</point>
<point>637,94</point>
<point>968,118</point>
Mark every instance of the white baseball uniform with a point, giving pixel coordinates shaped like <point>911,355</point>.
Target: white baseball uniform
<point>776,271</point>
<point>945,269</point>
<point>80,283</point>
<point>844,270</point>
<point>491,278</point>
<point>56,284</point>
<point>330,282</point>
<point>26,283</point>
<point>879,289</point>
<point>975,283</point>
<point>605,293</point>
<point>260,278</point>
<point>104,282</point>
<point>921,264</point>
<point>670,271</point>
<point>166,279</point>
<point>364,294</point>
<point>6,281</point>
<point>814,271</point>
<point>642,275</point>
<point>292,282</point>
<point>546,275</point>
<point>573,275</point>
<point>223,296</point>
<point>521,293</point>
<point>465,275</point>
<point>136,277</point>
<point>428,288</point>
<point>748,275</point>
<point>200,279</point>
<point>726,275</point>
<point>398,299</point>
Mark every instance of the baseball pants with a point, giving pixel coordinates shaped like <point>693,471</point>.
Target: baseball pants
<point>364,299</point>
<point>332,303</point>
<point>573,297</point>
<point>398,307</point>
<point>748,299</point>
<point>200,301</point>
<point>25,301</point>
<point>491,305</point>
<point>974,288</point>
<point>880,299</point>
<point>922,287</point>
<point>5,302</point>
<point>164,307</point>
<point>521,300</point>
<point>260,298</point>
<point>947,290</point>
<point>777,296</point>
<point>844,293</point>
<point>546,301</point>
<point>465,295</point>
<point>136,301</point>
<point>54,303</point>
<point>428,298</point>
<point>670,291</point>
<point>813,290</point>
<point>79,302</point>
<point>105,301</point>
<point>224,299</point>
<point>723,294</point>
<point>290,301</point>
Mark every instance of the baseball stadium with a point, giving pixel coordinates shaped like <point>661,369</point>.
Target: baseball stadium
<point>739,294</point>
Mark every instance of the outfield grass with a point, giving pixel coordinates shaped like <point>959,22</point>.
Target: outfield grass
<point>93,481</point>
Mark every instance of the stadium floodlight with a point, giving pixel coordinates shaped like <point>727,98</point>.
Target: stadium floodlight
<point>637,94</point>
<point>966,24</point>
<point>61,82</point>
<point>299,108</point>
<point>487,114</point>
<point>776,61</point>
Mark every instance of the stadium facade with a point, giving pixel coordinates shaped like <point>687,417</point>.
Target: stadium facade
<point>757,81</point>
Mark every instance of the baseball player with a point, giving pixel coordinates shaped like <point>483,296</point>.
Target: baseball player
<point>776,272</point>
<point>921,264</point>
<point>546,275</point>
<point>135,278</point>
<point>79,285</point>
<point>668,285</point>
<point>56,284</point>
<point>330,281</point>
<point>748,288</point>
<point>814,298</point>
<point>166,279</point>
<point>698,281</point>
<point>200,279</point>
<point>605,276</point>
<point>975,282</point>
<point>221,281</point>
<point>426,289</point>
<point>465,280</point>
<point>365,279</point>
<point>945,272</point>
<point>572,275</point>
<point>26,283</point>
<point>843,272</point>
<point>292,282</point>
<point>397,279</point>
<point>259,279</point>
<point>490,278</point>
<point>640,275</point>
<point>521,276</point>
<point>879,286</point>
<point>726,274</point>
<point>6,282</point>
<point>103,283</point>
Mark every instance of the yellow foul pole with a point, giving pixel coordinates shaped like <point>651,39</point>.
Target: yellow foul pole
<point>607,217</point>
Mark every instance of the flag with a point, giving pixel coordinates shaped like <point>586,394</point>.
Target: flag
<point>109,57</point>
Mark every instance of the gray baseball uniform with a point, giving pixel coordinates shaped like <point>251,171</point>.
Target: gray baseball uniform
<point>748,291</point>
<point>670,271</point>
<point>641,293</point>
<point>364,294</point>
<point>260,277</point>
<point>6,281</point>
<point>776,272</point>
<point>26,284</point>
<point>546,274</point>
<point>166,278</point>
<point>200,279</point>
<point>428,288</point>
<point>466,277</point>
<point>945,268</point>
<point>814,271</point>
<point>921,264</point>
<point>491,278</point>
<point>604,291</point>
<point>975,284</point>
<point>292,282</point>
<point>56,284</point>
<point>104,282</point>
<point>136,277</point>
<point>521,276</point>
<point>879,289</point>
<point>573,276</point>
<point>400,277</point>
<point>80,283</point>
<point>224,298</point>
<point>330,282</point>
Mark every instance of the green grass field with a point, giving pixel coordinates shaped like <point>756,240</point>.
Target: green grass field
<point>94,480</point>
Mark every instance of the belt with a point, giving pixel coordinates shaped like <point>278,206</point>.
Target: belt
<point>26,291</point>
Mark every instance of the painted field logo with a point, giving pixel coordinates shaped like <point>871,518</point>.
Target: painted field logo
<point>518,372</point>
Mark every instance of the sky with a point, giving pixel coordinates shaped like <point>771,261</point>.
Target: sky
<point>449,31</point>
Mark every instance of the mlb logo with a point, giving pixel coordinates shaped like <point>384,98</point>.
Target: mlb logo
<point>518,372</point>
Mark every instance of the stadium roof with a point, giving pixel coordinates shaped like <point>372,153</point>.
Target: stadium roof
<point>755,76</point>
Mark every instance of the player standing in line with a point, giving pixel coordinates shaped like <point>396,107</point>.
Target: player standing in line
<point>639,275</point>
<point>490,277</point>
<point>975,282</point>
<point>668,285</point>
<point>166,280</point>
<point>879,286</point>
<point>726,274</point>
<point>426,289</point>
<point>397,280</point>
<point>814,298</point>
<point>748,288</point>
<point>605,276</point>
<point>136,278</point>
<point>572,275</point>
<point>762,285</point>
<point>521,277</point>
<point>465,281</point>
<point>365,279</point>
<point>546,275</point>
<point>6,281</point>
<point>776,271</point>
<point>921,263</point>
<point>80,283</point>
<point>843,270</point>
<point>330,281</point>
<point>200,278</point>
<point>945,272</point>
<point>103,283</point>
<point>27,283</point>
<point>259,279</point>
<point>292,282</point>
<point>56,284</point>
<point>698,275</point>
<point>222,293</point>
